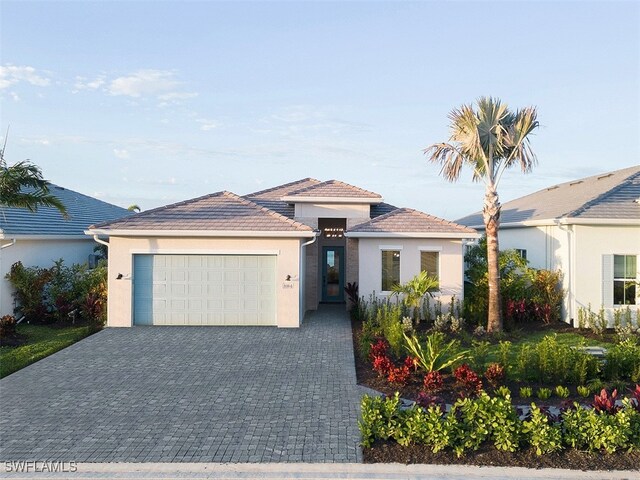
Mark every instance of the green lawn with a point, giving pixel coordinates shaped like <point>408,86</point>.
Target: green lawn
<point>42,341</point>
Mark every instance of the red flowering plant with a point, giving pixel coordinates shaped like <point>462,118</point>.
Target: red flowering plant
<point>605,403</point>
<point>468,379</point>
<point>495,374</point>
<point>432,382</point>
<point>399,375</point>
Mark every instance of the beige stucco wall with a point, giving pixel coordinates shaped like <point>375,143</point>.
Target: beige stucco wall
<point>38,253</point>
<point>451,263</point>
<point>121,251</point>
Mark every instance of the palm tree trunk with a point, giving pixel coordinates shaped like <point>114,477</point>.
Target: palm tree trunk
<point>491,216</point>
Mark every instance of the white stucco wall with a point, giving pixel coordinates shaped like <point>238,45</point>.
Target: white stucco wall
<point>121,251</point>
<point>332,210</point>
<point>577,251</point>
<point>38,253</point>
<point>591,243</point>
<point>451,263</point>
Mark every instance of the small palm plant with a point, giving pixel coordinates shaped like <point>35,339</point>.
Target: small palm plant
<point>437,353</point>
<point>416,289</point>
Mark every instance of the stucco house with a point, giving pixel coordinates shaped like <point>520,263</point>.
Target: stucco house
<point>42,237</point>
<point>589,229</point>
<point>268,257</point>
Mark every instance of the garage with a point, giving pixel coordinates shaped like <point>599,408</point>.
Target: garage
<point>228,290</point>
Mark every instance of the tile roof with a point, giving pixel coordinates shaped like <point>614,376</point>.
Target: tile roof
<point>408,220</point>
<point>221,211</point>
<point>610,195</point>
<point>334,188</point>
<point>276,193</point>
<point>82,211</point>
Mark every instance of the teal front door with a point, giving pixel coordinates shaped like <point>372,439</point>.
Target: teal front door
<point>333,274</point>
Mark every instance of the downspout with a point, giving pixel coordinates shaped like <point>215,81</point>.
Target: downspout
<point>315,237</point>
<point>102,242</point>
<point>303,294</point>
<point>570,264</point>
<point>13,242</point>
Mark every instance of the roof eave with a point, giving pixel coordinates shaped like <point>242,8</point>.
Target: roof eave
<point>411,235</point>
<point>565,221</point>
<point>22,236</point>
<point>199,233</point>
<point>343,200</point>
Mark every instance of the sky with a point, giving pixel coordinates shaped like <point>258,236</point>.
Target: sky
<point>152,102</point>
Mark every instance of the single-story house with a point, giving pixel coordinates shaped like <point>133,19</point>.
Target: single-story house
<point>42,237</point>
<point>587,228</point>
<point>267,257</point>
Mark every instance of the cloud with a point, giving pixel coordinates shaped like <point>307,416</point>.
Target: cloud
<point>121,153</point>
<point>144,83</point>
<point>15,96</point>
<point>177,96</point>
<point>13,74</point>
<point>82,83</point>
<point>207,125</point>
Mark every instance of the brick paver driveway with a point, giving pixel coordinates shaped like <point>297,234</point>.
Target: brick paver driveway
<point>190,394</point>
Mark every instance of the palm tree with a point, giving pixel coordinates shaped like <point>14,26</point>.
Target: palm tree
<point>134,208</point>
<point>416,289</point>
<point>22,186</point>
<point>488,140</point>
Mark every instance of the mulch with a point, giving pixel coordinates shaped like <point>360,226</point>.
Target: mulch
<point>390,452</point>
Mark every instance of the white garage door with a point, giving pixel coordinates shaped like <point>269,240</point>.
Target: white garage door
<point>204,290</point>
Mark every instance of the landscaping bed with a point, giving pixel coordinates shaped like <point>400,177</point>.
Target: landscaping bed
<point>532,397</point>
<point>388,451</point>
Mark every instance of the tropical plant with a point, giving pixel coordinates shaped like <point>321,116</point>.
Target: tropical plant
<point>416,289</point>
<point>437,354</point>
<point>489,140</point>
<point>22,186</point>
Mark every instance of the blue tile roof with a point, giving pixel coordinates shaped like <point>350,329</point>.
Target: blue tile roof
<point>82,211</point>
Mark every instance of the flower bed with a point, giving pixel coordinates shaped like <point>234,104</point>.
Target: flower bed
<point>491,424</point>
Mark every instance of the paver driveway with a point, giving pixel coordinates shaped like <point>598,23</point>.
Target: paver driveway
<point>214,394</point>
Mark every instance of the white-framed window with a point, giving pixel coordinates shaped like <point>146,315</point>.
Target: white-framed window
<point>522,252</point>
<point>430,263</point>
<point>625,282</point>
<point>390,268</point>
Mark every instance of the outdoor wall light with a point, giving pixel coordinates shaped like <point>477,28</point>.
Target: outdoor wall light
<point>288,279</point>
<point>119,277</point>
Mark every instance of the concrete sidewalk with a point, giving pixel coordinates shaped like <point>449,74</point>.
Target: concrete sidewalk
<point>306,471</point>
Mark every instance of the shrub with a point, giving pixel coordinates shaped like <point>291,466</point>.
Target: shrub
<point>525,392</point>
<point>540,433</point>
<point>379,349</point>
<point>562,391</point>
<point>621,360</point>
<point>390,320</point>
<point>399,375</point>
<point>479,354</point>
<point>502,392</point>
<point>7,326</point>
<point>583,391</point>
<point>494,374</point>
<point>425,400</point>
<point>468,379</point>
<point>432,381</point>
<point>543,393</point>
<point>383,365</point>
<point>60,293</point>
<point>437,354</point>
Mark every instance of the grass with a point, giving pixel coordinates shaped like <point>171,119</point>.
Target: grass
<point>42,341</point>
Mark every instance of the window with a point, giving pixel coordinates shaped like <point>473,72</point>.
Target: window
<point>522,252</point>
<point>429,262</point>
<point>390,269</point>
<point>624,279</point>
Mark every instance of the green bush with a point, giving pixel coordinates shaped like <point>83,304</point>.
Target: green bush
<point>60,293</point>
<point>622,360</point>
<point>390,320</point>
<point>472,422</point>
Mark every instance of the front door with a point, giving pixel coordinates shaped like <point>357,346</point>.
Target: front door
<point>333,274</point>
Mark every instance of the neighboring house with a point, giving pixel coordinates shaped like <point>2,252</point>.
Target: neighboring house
<point>268,257</point>
<point>42,237</point>
<point>589,229</point>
